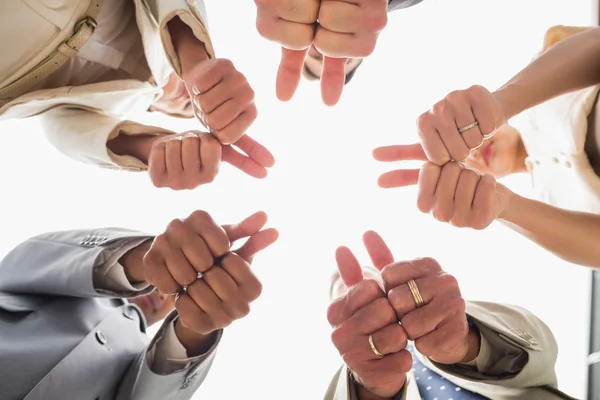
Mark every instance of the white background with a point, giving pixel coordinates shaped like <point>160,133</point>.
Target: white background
<point>322,192</point>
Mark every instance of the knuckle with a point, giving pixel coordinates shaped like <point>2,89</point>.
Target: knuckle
<point>447,282</point>
<point>371,288</point>
<point>255,290</point>
<point>224,64</point>
<point>199,216</point>
<point>160,242</point>
<point>412,328</point>
<point>387,273</point>
<point>176,226</point>
<point>423,203</point>
<point>423,122</point>
<point>430,264</point>
<point>456,96</point>
<point>442,108</point>
<point>458,305</point>
<point>333,313</point>
<point>442,213</point>
<point>339,336</point>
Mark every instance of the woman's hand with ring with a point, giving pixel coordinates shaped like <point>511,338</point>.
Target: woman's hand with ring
<point>459,123</point>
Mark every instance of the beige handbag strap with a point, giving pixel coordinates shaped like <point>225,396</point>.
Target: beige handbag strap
<point>82,31</point>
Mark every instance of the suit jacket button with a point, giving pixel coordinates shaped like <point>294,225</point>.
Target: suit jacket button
<point>100,337</point>
<point>128,313</point>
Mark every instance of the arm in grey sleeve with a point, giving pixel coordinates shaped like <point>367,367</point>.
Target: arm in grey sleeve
<point>74,263</point>
<point>398,4</point>
<point>153,376</point>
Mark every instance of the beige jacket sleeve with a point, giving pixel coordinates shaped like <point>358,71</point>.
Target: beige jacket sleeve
<point>192,13</point>
<point>82,135</point>
<point>519,352</point>
<point>522,350</point>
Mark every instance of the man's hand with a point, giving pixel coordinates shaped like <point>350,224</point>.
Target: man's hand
<point>187,160</point>
<point>222,98</point>
<point>344,29</point>
<point>439,328</point>
<point>194,254</point>
<point>363,311</point>
<point>451,193</point>
<point>439,127</point>
<point>347,29</point>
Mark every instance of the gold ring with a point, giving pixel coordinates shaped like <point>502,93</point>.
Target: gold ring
<point>470,126</point>
<point>416,294</point>
<point>377,352</point>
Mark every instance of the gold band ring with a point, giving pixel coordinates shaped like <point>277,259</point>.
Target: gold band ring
<point>373,348</point>
<point>470,126</point>
<point>416,294</point>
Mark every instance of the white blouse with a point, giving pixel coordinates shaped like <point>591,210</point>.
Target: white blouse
<point>554,134</point>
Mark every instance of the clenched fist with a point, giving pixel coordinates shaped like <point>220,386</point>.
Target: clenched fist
<point>451,193</point>
<point>362,315</point>
<point>222,98</point>
<point>193,259</point>
<point>459,123</point>
<point>338,29</point>
<point>190,159</point>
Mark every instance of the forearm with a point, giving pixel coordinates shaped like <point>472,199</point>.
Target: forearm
<point>189,49</point>
<point>570,235</point>
<point>571,64</point>
<point>137,146</point>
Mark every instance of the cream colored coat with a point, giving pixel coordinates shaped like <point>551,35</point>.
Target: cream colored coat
<point>506,329</point>
<point>79,120</point>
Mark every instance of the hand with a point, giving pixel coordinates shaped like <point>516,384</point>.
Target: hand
<point>439,328</point>
<point>187,160</point>
<point>451,193</point>
<point>345,29</point>
<point>227,285</point>
<point>222,98</point>
<point>439,127</point>
<point>363,311</point>
<point>291,23</point>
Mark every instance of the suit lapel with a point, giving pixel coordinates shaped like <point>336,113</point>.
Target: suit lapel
<point>94,367</point>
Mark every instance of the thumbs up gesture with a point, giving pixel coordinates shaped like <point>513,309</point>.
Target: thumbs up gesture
<point>363,317</point>
<point>338,29</point>
<point>451,192</point>
<point>193,258</point>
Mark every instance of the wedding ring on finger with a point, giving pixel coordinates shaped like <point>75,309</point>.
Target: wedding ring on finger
<point>470,126</point>
<point>373,348</point>
<point>416,294</point>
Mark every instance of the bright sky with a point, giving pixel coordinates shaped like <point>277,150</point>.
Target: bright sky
<point>322,192</point>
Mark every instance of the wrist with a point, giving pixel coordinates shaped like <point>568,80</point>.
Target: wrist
<point>133,262</point>
<point>137,146</point>
<point>195,343</point>
<point>507,102</point>
<point>473,345</point>
<point>189,49</point>
<point>513,204</point>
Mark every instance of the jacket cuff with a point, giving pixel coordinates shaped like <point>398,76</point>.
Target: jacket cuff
<point>193,15</point>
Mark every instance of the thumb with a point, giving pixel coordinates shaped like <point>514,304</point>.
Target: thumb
<point>248,227</point>
<point>378,250</point>
<point>257,242</point>
<point>400,152</point>
<point>333,78</point>
<point>348,266</point>
<point>289,73</point>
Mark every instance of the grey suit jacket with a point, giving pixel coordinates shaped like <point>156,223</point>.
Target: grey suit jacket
<point>398,4</point>
<point>65,334</point>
